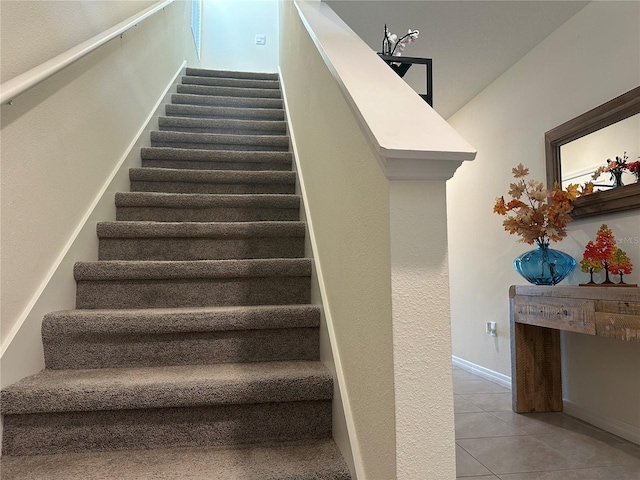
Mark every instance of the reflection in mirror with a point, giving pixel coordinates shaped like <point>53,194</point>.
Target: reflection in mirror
<point>594,154</point>
<point>580,158</point>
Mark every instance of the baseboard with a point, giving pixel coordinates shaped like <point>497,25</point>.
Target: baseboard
<point>483,372</point>
<point>609,424</point>
<point>21,353</point>
<point>349,446</point>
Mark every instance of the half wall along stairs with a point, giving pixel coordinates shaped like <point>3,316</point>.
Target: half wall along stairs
<point>194,350</point>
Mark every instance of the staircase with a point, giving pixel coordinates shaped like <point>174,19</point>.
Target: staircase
<point>193,351</point>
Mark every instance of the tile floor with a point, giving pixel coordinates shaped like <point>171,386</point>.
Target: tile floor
<point>494,443</point>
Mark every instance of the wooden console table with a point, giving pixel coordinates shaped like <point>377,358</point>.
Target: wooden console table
<point>537,314</point>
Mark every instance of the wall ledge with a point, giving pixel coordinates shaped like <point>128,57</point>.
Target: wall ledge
<point>410,140</point>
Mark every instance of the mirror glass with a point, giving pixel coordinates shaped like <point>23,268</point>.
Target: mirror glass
<point>578,147</point>
<point>580,158</point>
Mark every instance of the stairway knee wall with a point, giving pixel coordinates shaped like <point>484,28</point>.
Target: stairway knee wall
<point>22,352</point>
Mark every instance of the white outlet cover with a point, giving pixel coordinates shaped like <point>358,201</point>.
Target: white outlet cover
<point>261,40</point>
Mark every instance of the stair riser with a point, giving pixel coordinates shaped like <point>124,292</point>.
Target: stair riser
<point>38,434</point>
<point>314,460</point>
<point>231,82</point>
<point>196,348</point>
<point>200,72</point>
<point>222,146</point>
<point>164,214</point>
<point>239,102</point>
<point>192,292</point>
<point>229,91</point>
<point>224,131</point>
<point>199,111</point>
<point>199,248</point>
<point>214,188</point>
<point>227,126</point>
<point>206,156</point>
<point>213,165</point>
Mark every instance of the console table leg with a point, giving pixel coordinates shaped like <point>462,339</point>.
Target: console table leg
<point>536,382</point>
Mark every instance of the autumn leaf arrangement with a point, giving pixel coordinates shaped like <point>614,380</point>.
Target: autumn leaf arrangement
<point>604,254</point>
<point>537,214</point>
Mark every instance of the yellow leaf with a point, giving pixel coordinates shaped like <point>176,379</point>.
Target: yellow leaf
<point>500,208</point>
<point>572,191</point>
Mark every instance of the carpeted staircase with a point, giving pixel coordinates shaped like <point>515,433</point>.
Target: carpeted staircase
<point>193,351</point>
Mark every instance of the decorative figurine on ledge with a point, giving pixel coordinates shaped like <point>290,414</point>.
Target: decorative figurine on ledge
<point>393,47</point>
<point>604,254</point>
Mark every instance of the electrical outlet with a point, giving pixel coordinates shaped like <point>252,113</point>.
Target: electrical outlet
<point>261,40</point>
<point>491,329</point>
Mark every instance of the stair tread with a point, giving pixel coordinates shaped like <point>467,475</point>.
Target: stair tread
<point>229,91</point>
<point>224,101</point>
<point>207,200</point>
<point>223,138</point>
<point>211,176</point>
<point>165,269</point>
<point>168,386</point>
<point>172,153</point>
<point>150,229</point>
<point>222,123</point>
<point>229,113</point>
<point>175,320</point>
<point>311,460</point>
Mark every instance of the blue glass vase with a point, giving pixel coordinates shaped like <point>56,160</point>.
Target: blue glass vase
<point>544,265</point>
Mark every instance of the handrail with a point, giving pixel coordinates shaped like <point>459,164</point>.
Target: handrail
<point>29,79</point>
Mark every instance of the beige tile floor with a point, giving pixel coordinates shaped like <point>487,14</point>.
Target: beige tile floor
<point>494,443</point>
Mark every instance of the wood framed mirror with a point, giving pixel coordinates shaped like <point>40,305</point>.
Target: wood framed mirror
<point>610,200</point>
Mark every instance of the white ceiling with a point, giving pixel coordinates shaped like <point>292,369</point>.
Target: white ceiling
<point>471,42</point>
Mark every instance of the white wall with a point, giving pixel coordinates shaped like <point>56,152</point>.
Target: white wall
<point>348,202</point>
<point>63,141</point>
<point>229,28</point>
<point>375,203</point>
<point>591,59</point>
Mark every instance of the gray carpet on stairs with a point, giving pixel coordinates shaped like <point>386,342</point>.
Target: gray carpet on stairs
<point>193,351</point>
<point>199,240</point>
<point>230,82</point>
<point>218,125</point>
<point>224,113</point>
<point>82,339</point>
<point>317,460</point>
<point>229,91</point>
<point>237,102</point>
<point>198,159</point>
<point>175,180</point>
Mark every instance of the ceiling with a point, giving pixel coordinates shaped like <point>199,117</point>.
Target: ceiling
<point>471,42</point>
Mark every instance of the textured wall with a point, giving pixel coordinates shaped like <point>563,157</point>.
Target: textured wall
<point>555,82</point>
<point>348,201</point>
<point>425,443</point>
<point>62,140</point>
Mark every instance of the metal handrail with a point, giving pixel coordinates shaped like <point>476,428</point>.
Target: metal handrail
<point>29,79</point>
